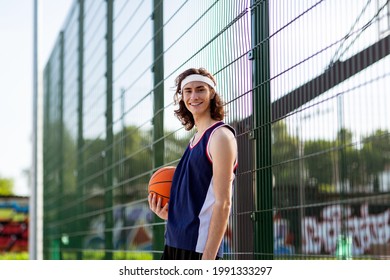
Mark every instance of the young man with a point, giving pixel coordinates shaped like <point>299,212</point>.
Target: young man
<point>200,199</point>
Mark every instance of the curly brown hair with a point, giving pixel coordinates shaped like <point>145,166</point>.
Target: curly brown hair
<point>186,118</point>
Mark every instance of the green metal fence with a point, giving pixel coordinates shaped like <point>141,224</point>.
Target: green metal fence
<point>305,85</point>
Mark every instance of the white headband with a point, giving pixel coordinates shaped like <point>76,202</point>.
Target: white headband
<point>197,78</point>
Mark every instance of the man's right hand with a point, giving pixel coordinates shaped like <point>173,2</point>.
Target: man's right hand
<point>155,206</point>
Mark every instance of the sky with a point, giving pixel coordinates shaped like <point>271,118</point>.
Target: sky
<point>16,79</point>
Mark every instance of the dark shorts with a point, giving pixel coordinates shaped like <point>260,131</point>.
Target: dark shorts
<point>172,253</point>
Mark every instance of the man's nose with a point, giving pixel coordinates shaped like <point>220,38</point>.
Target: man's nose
<point>194,95</point>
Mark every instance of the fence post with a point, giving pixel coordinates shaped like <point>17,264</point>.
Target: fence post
<point>158,106</point>
<point>108,166</point>
<point>47,232</point>
<point>61,143</point>
<point>80,127</point>
<point>262,124</point>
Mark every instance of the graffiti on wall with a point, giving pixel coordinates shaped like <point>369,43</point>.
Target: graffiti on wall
<point>131,230</point>
<point>320,236</point>
<point>321,232</point>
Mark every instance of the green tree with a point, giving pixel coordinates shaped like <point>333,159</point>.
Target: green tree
<point>285,151</point>
<point>70,162</point>
<point>133,158</point>
<point>376,155</point>
<point>6,187</point>
<point>349,160</point>
<point>93,153</point>
<point>329,161</point>
<point>132,163</point>
<point>320,160</point>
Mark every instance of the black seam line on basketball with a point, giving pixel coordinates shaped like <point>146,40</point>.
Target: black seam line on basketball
<point>160,182</point>
<point>159,194</point>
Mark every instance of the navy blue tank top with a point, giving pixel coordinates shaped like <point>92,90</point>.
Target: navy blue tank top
<point>192,197</point>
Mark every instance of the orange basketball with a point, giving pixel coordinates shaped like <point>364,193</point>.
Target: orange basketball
<point>160,183</point>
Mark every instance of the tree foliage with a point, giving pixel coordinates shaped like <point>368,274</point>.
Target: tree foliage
<point>132,150</point>
<point>320,158</point>
<point>284,152</point>
<point>6,187</point>
<point>376,155</point>
<point>329,162</point>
